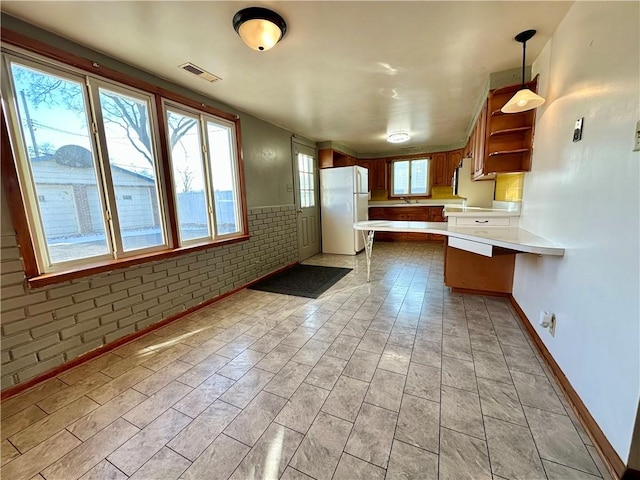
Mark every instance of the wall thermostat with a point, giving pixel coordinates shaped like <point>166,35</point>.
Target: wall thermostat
<point>577,131</point>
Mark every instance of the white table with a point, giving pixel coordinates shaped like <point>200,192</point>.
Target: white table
<point>480,238</point>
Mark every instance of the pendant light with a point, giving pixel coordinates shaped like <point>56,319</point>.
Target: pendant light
<point>259,28</point>
<point>524,99</point>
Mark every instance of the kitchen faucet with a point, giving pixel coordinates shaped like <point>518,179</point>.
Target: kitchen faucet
<point>406,200</point>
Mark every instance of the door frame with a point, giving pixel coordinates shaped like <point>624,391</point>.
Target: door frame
<point>297,144</point>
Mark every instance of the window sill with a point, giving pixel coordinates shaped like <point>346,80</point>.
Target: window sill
<point>414,197</point>
<point>53,278</point>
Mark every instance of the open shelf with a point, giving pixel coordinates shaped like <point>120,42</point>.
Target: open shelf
<point>509,152</point>
<point>509,131</point>
<point>497,113</point>
<point>503,142</point>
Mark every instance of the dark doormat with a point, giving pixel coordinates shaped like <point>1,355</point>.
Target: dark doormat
<point>309,281</point>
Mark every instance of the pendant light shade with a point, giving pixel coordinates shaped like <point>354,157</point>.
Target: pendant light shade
<point>259,28</point>
<point>524,99</point>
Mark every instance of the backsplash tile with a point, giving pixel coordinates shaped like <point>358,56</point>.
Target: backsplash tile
<point>509,187</point>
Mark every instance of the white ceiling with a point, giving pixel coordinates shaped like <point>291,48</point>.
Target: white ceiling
<point>347,72</point>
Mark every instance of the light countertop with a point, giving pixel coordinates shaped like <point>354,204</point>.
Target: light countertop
<point>512,238</point>
<point>458,211</point>
<point>436,202</point>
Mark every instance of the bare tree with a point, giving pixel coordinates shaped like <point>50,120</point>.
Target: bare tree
<point>130,114</point>
<point>186,175</point>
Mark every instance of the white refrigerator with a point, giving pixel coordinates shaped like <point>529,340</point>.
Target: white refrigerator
<point>344,193</point>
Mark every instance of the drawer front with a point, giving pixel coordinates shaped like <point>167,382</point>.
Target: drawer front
<point>483,221</point>
<point>470,246</point>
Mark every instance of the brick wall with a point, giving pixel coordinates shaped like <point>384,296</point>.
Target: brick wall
<point>45,327</point>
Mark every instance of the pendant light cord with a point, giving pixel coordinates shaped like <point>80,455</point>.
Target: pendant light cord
<point>524,56</point>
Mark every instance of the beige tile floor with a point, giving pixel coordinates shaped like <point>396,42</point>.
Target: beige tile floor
<point>396,379</point>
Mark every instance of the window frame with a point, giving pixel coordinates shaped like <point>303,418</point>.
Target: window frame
<point>166,106</point>
<point>25,174</point>
<point>392,193</point>
<point>94,85</point>
<point>205,149</point>
<point>234,148</point>
<point>23,47</point>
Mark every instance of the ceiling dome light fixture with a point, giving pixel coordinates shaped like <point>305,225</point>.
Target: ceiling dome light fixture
<point>259,28</point>
<point>398,137</point>
<point>524,99</point>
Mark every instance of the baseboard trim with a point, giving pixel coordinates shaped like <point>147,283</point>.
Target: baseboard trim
<point>54,372</point>
<point>484,293</point>
<point>614,462</point>
<point>631,474</point>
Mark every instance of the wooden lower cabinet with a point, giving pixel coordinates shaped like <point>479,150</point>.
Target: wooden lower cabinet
<point>421,214</point>
<point>477,273</point>
<point>436,214</point>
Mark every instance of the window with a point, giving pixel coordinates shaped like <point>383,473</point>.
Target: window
<point>205,174</point>
<point>58,166</point>
<point>410,177</point>
<point>128,140</point>
<point>85,217</point>
<point>306,179</point>
<point>89,169</point>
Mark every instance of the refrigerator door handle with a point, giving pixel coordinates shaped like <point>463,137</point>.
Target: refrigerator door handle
<point>362,185</point>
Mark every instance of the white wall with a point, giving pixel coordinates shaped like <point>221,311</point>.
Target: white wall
<point>478,194</point>
<point>584,196</point>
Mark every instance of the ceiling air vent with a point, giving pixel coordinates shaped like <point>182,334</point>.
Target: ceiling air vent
<point>191,68</point>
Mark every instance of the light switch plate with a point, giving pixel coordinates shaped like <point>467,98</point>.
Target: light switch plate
<point>577,131</point>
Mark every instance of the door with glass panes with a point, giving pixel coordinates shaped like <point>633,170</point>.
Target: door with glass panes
<point>307,204</point>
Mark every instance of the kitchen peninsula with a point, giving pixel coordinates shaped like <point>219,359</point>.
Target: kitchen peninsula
<point>478,258</point>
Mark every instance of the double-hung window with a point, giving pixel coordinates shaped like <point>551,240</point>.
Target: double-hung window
<point>410,177</point>
<point>204,164</point>
<point>87,163</point>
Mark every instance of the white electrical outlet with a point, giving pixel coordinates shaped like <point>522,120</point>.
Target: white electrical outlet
<point>548,320</point>
<point>636,148</point>
<point>544,319</point>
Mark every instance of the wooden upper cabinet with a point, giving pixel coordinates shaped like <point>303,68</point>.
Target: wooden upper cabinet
<point>440,168</point>
<point>325,158</point>
<point>466,151</point>
<point>444,163</point>
<point>366,164</point>
<point>378,174</point>
<point>454,157</point>
<point>343,160</point>
<point>328,158</point>
<point>507,140</point>
<point>479,133</point>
